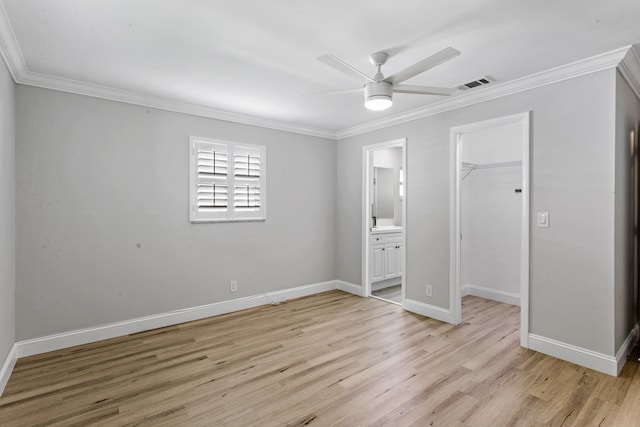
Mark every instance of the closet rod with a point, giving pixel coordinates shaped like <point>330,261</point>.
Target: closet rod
<point>470,167</point>
<point>466,165</point>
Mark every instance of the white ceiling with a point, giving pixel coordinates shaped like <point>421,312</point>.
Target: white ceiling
<point>257,57</point>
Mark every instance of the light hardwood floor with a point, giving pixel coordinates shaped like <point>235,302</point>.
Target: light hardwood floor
<point>327,359</point>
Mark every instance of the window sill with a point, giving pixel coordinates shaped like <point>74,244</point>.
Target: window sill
<point>204,221</point>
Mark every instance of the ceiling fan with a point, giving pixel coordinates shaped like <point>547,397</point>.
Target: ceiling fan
<point>378,90</point>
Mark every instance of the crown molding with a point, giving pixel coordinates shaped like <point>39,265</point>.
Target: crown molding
<point>9,47</point>
<point>630,70</point>
<point>627,58</point>
<point>575,69</point>
<point>12,55</point>
<point>130,97</point>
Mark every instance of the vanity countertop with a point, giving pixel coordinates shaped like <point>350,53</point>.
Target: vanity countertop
<point>386,229</point>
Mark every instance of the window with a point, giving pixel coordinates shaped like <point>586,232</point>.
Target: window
<point>227,181</point>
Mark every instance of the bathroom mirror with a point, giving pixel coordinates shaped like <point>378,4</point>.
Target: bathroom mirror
<point>383,193</point>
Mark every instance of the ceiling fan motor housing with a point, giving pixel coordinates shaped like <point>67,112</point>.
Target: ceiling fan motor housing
<point>378,90</point>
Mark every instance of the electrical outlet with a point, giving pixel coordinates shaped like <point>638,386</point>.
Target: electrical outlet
<point>428,290</point>
<point>233,286</point>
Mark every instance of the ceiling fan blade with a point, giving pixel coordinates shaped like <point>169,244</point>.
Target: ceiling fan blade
<point>424,65</point>
<point>339,65</point>
<point>423,90</point>
<point>333,92</point>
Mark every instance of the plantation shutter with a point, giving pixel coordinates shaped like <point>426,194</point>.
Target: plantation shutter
<point>248,179</point>
<point>247,170</point>
<point>227,181</point>
<point>210,170</point>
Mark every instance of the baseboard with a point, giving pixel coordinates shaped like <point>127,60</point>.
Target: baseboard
<point>590,359</point>
<point>277,297</point>
<point>112,330</point>
<point>7,367</point>
<point>350,288</point>
<point>428,310</point>
<point>571,353</point>
<point>626,347</point>
<point>492,294</point>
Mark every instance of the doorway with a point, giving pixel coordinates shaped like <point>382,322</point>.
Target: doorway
<point>384,221</point>
<point>490,214</point>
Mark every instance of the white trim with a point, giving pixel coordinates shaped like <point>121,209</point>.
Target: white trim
<point>350,288</point>
<point>276,297</point>
<point>7,366</point>
<point>575,69</point>
<point>492,294</point>
<point>586,66</point>
<point>405,195</point>
<point>455,297</point>
<point>456,133</point>
<point>364,225</point>
<point>525,230</point>
<point>167,104</point>
<point>428,310</point>
<point>583,67</point>
<point>574,354</point>
<point>12,55</point>
<point>626,347</point>
<point>630,70</point>
<point>9,47</point>
<point>116,329</point>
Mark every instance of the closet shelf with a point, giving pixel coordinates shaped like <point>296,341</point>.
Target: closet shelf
<point>470,167</point>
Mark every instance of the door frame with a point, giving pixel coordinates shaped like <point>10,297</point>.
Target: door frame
<point>367,171</point>
<point>456,133</point>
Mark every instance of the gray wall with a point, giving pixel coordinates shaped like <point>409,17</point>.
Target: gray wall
<point>7,212</point>
<point>627,117</point>
<point>572,159</point>
<point>102,231</point>
<point>102,214</point>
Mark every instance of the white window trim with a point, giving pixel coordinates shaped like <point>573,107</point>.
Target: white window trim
<point>231,214</point>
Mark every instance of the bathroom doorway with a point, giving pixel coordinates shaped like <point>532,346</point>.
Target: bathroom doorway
<point>384,220</point>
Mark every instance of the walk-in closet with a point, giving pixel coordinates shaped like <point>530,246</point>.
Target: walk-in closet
<point>491,206</point>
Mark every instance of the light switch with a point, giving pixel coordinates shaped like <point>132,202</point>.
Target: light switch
<point>543,219</point>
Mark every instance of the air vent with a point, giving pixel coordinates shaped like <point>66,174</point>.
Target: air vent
<point>480,82</point>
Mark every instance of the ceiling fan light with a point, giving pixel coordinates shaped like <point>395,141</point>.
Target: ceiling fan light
<point>377,95</point>
<point>378,102</point>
